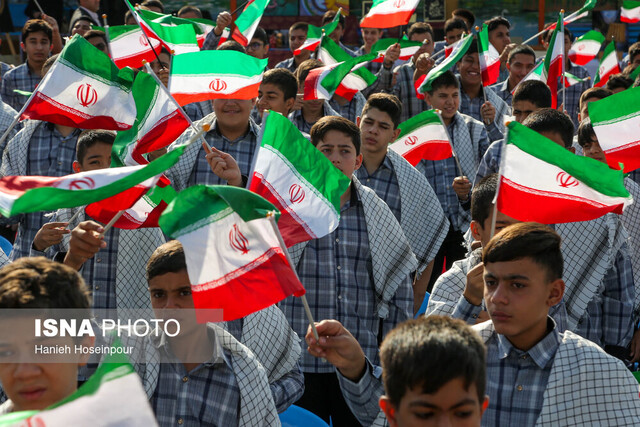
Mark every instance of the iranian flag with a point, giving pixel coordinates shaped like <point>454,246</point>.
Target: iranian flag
<point>535,74</point>
<point>570,79</point>
<point>330,53</point>
<point>84,89</point>
<point>115,384</point>
<point>580,13</point>
<point>586,47</point>
<point>616,120</point>
<point>323,82</point>
<point>424,83</point>
<point>314,34</point>
<point>175,38</point>
<point>543,182</point>
<point>407,48</point>
<point>299,180</point>
<point>630,11</point>
<point>608,65</point>
<point>389,13</point>
<point>214,74</point>
<point>554,61</point>
<point>489,58</point>
<point>634,74</point>
<point>423,137</point>
<point>25,194</point>
<point>200,26</point>
<point>248,21</point>
<point>234,259</point>
<point>130,48</point>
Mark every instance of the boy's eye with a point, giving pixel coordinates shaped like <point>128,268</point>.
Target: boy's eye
<point>464,414</point>
<point>185,293</point>
<point>424,415</point>
<point>157,294</point>
<point>489,283</point>
<point>518,285</point>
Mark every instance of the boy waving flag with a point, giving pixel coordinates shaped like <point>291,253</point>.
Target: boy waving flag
<point>314,34</point>
<point>129,47</point>
<point>248,21</point>
<point>389,13</point>
<point>489,58</point>
<point>423,137</point>
<point>608,65</point>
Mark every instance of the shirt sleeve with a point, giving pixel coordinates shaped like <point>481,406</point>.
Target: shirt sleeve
<point>211,41</point>
<point>288,389</point>
<point>617,301</point>
<point>8,96</point>
<point>362,396</point>
<point>400,306</point>
<point>466,311</point>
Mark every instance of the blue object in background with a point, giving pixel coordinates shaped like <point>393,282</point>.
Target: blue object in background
<point>6,246</point>
<point>295,416</point>
<point>423,307</point>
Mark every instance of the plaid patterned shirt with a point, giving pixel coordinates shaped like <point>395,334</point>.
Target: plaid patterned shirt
<point>20,78</point>
<point>406,92</point>
<point>385,183</point>
<point>502,90</point>
<point>4,68</point>
<point>194,111</point>
<point>206,395</point>
<point>490,162</point>
<point>517,380</point>
<point>242,149</point>
<point>99,272</point>
<point>289,64</point>
<point>471,107</point>
<point>572,93</point>
<point>304,126</point>
<point>351,109</point>
<point>50,154</point>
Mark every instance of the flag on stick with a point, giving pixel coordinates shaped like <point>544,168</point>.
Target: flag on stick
<point>330,53</point>
<point>608,65</point>
<point>458,52</point>
<point>84,89</point>
<point>578,14</point>
<point>130,48</point>
<point>554,62</point>
<point>234,259</point>
<point>616,120</point>
<point>423,137</point>
<point>407,48</point>
<point>314,34</point>
<point>248,21</point>
<point>586,47</point>
<point>200,26</point>
<point>630,11</point>
<point>389,13</point>
<point>175,38</point>
<point>543,182</point>
<point>299,180</point>
<point>489,58</point>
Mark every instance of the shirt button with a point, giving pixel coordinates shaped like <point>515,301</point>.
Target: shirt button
<point>59,163</point>
<point>338,267</point>
<point>97,287</point>
<point>99,260</point>
<point>519,388</point>
<point>368,179</point>
<point>185,379</point>
<point>523,357</point>
<point>337,240</point>
<point>339,296</point>
<point>180,421</point>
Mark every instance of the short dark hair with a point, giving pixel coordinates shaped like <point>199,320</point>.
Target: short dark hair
<point>303,69</point>
<point>455,24</point>
<point>495,22</point>
<point>299,26</point>
<point>446,79</point>
<point>95,33</point>
<point>90,137</point>
<point>533,91</point>
<point>428,352</point>
<point>261,35</point>
<point>550,120</point>
<point>232,45</point>
<point>634,50</point>
<point>522,49</point>
<point>594,92</point>
<point>338,123</point>
<point>330,15</point>
<point>37,25</point>
<point>482,198</point>
<point>527,240</point>
<point>153,3</point>
<point>284,79</point>
<point>41,283</point>
<point>167,258</point>
<point>48,63</point>
<point>546,36</point>
<point>618,81</point>
<point>420,28</point>
<point>187,9</point>
<point>466,14</point>
<point>585,132</point>
<point>386,103</point>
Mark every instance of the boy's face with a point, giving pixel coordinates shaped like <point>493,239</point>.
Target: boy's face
<point>371,36</point>
<point>522,109</point>
<point>584,108</point>
<point>339,149</point>
<point>521,64</point>
<point>296,38</point>
<point>37,46</point>
<point>377,131</point>
<point>170,293</point>
<point>99,43</point>
<point>483,232</point>
<point>451,405</point>
<point>518,295</point>
<point>233,112</point>
<point>446,99</point>
<point>97,157</point>
<point>635,61</point>
<point>271,97</point>
<point>427,44</point>
<point>80,27</point>
<point>453,36</point>
<point>257,48</point>
<point>592,149</point>
<point>500,37</point>
<point>557,138</point>
<point>336,35</point>
<point>469,68</point>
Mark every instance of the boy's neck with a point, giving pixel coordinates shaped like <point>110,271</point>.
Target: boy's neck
<point>232,133</point>
<point>346,196</point>
<point>472,91</point>
<point>372,161</point>
<point>65,131</point>
<point>340,100</point>
<point>192,349</point>
<point>529,339</point>
<point>312,118</point>
<point>35,67</point>
<point>447,120</point>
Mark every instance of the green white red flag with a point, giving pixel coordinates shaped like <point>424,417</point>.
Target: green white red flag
<point>630,11</point>
<point>407,48</point>
<point>214,74</point>
<point>586,47</point>
<point>608,65</point>
<point>248,21</point>
<point>554,61</point>
<point>389,13</point>
<point>580,13</point>
<point>84,89</point>
<point>234,259</point>
<point>200,26</point>
<point>543,182</point>
<point>616,120</point>
<point>330,53</point>
<point>130,48</point>
<point>299,180</point>
<point>460,48</point>
<point>423,137</point>
<point>323,82</point>
<point>314,34</point>
<point>489,58</point>
<point>115,384</point>
<point>570,79</point>
<point>177,39</point>
<point>25,194</point>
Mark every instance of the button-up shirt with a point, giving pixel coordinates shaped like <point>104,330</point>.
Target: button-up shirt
<point>206,395</point>
<point>502,90</point>
<point>471,107</point>
<point>384,182</point>
<point>21,78</point>
<point>289,64</point>
<point>405,90</point>
<point>490,162</point>
<point>516,379</point>
<point>304,126</point>
<point>351,109</point>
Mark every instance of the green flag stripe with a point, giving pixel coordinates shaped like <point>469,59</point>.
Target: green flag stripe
<point>616,108</point>
<point>217,62</point>
<point>122,30</point>
<point>552,43</point>
<point>428,117</point>
<point>383,44</point>
<point>445,65</point>
<point>593,173</point>
<point>592,35</point>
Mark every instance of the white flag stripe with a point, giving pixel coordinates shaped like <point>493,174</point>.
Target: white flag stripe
<point>393,7</point>
<point>429,132</point>
<point>163,107</point>
<point>131,44</point>
<point>585,47</point>
<point>619,133</point>
<point>198,83</point>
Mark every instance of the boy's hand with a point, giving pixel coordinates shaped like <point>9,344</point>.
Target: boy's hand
<point>339,347</point>
<point>474,288</point>
<point>391,55</point>
<point>52,22</point>
<point>86,240</point>
<point>223,20</point>
<point>424,64</point>
<point>488,112</point>
<point>223,165</point>
<point>462,186</point>
<point>505,53</point>
<point>50,234</point>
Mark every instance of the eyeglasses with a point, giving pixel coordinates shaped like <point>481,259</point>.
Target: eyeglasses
<point>255,46</point>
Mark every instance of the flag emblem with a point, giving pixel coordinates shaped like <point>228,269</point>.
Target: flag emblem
<point>81,184</point>
<point>217,85</point>
<point>143,40</point>
<point>86,95</point>
<point>412,140</point>
<point>566,181</point>
<point>398,3</point>
<point>296,193</point>
<point>237,240</point>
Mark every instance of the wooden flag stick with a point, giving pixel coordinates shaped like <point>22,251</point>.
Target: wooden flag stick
<point>113,221</point>
<point>75,216</point>
<point>106,30</point>
<point>135,16</point>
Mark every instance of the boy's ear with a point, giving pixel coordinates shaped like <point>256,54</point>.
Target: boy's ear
<point>556,292</point>
<point>358,119</point>
<point>474,229</point>
<point>358,162</point>
<point>289,103</point>
<point>22,46</point>
<point>388,409</point>
<point>253,102</point>
<point>427,98</point>
<point>76,167</point>
<point>396,132</point>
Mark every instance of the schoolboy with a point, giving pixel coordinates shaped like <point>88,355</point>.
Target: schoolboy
<point>297,36</point>
<point>520,62</point>
<point>277,91</point>
<point>499,28</point>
